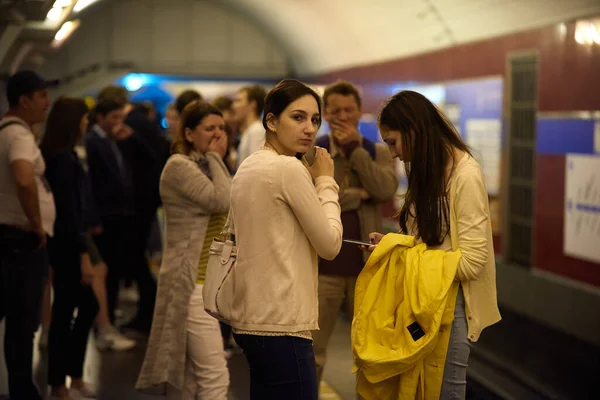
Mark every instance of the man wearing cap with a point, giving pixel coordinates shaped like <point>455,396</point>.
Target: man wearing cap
<point>26,219</point>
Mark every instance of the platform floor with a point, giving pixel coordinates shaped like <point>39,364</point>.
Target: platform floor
<point>115,373</point>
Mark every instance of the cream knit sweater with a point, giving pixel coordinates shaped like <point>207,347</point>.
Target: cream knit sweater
<point>282,221</point>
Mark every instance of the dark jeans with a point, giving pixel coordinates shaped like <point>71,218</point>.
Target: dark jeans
<point>281,367</point>
<point>67,340</point>
<point>140,269</point>
<point>23,272</point>
<point>225,334</point>
<point>120,247</point>
<point>113,245</point>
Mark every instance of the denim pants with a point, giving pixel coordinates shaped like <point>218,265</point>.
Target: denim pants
<point>281,367</point>
<point>454,383</point>
<point>23,273</point>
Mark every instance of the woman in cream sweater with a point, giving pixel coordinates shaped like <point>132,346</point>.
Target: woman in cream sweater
<point>285,215</point>
<point>447,194</point>
<point>185,356</point>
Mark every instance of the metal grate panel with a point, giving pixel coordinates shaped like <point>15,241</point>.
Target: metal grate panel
<point>521,177</point>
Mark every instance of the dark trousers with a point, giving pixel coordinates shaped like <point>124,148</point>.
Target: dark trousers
<point>226,334</point>
<point>23,272</point>
<point>140,270</point>
<point>114,246</point>
<point>119,245</point>
<point>281,367</point>
<point>67,339</point>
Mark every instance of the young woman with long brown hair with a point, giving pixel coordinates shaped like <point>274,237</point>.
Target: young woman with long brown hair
<point>446,207</point>
<point>68,250</point>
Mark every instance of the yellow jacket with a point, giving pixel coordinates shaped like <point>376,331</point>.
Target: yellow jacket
<point>402,289</point>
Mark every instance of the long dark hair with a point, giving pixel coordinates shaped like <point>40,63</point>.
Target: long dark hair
<point>63,128</point>
<point>429,139</point>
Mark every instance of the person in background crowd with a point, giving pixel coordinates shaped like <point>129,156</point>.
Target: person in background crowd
<point>26,218</point>
<point>107,336</point>
<point>69,255</point>
<point>446,207</point>
<point>285,215</point>
<point>224,104</point>
<point>172,116</point>
<point>145,152</point>
<point>186,97</point>
<point>185,353</point>
<point>365,173</point>
<point>247,107</point>
<point>112,188</point>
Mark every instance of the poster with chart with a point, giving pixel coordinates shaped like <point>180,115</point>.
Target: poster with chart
<point>582,207</point>
<point>483,136</point>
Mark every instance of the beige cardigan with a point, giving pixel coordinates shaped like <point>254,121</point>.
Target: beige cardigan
<point>189,198</point>
<point>471,232</point>
<point>282,222</point>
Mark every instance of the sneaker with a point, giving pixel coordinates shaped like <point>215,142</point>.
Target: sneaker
<point>112,339</point>
<point>129,294</point>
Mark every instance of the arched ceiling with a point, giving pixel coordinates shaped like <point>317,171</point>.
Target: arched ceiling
<point>326,35</point>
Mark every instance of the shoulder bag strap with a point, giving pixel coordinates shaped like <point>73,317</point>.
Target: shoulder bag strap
<point>228,231</point>
<point>9,123</point>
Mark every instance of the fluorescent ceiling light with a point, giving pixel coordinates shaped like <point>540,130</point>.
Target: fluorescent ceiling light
<point>62,3</point>
<point>64,32</point>
<point>54,14</point>
<point>81,4</point>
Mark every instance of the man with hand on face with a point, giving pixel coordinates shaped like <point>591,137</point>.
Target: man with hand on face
<point>365,173</point>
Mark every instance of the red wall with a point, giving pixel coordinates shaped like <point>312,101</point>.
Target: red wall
<point>569,80</point>
<point>568,75</point>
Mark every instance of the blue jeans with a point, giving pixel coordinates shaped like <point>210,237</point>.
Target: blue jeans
<point>281,367</point>
<point>454,383</point>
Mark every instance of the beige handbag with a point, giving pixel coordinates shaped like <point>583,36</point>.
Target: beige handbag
<point>218,282</point>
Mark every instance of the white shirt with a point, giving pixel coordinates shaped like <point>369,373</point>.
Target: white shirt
<point>17,142</point>
<point>253,138</point>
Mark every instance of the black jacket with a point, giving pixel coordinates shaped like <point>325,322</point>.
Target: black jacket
<point>66,178</point>
<point>112,188</point>
<point>146,151</point>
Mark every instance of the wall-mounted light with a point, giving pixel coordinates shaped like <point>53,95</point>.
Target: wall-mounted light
<point>64,32</point>
<point>81,4</point>
<point>562,30</point>
<point>588,31</point>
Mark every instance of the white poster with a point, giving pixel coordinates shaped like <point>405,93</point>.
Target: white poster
<point>484,137</point>
<point>582,207</point>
